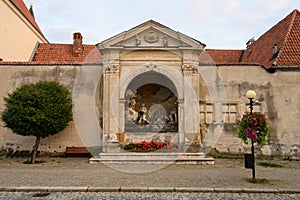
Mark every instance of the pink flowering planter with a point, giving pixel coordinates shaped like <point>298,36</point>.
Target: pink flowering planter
<point>254,127</point>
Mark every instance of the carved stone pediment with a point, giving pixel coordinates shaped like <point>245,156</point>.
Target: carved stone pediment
<point>151,35</point>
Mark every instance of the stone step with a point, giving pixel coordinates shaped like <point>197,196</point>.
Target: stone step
<point>131,157</point>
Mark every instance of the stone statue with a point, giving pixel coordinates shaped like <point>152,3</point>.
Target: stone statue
<point>142,114</point>
<point>173,115</point>
<point>131,112</point>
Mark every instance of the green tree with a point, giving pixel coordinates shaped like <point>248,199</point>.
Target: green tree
<point>41,109</point>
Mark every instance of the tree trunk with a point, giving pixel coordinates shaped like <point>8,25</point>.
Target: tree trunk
<point>35,149</point>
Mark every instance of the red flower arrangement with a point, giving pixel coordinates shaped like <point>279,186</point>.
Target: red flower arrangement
<point>149,146</point>
<point>253,127</point>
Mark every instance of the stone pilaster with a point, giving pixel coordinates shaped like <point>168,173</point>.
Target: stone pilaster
<point>191,93</point>
<point>111,78</point>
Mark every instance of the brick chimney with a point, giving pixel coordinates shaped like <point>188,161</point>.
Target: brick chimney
<point>77,44</point>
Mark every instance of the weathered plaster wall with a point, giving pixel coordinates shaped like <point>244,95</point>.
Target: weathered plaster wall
<point>13,77</point>
<point>286,113</point>
<point>278,94</point>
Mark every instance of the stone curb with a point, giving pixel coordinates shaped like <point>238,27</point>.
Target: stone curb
<point>103,189</point>
<point>67,189</point>
<point>194,189</point>
<point>143,189</point>
<point>31,188</point>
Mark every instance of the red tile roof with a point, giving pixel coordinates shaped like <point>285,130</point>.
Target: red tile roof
<point>19,4</point>
<point>63,53</point>
<point>218,56</point>
<point>26,63</point>
<point>286,35</point>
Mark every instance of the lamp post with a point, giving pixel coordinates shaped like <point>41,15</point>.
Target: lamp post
<point>251,95</point>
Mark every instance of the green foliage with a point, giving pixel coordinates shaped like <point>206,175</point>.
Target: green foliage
<point>258,180</point>
<point>36,162</point>
<point>267,164</point>
<point>253,126</point>
<point>40,109</point>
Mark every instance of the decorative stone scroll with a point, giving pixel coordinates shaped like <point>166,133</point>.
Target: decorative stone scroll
<point>189,69</point>
<point>112,69</point>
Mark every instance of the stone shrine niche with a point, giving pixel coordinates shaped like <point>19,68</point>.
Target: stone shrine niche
<point>151,108</point>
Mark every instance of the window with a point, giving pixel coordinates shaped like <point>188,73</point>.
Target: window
<point>230,112</point>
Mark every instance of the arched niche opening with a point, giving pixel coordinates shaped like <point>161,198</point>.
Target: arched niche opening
<point>151,104</point>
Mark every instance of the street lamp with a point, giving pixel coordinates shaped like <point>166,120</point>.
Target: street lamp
<point>252,95</point>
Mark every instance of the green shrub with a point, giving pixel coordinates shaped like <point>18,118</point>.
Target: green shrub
<point>41,109</point>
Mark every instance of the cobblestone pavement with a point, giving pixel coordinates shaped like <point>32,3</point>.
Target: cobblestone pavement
<point>143,195</point>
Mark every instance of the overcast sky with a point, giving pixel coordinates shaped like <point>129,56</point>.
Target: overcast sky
<point>222,24</point>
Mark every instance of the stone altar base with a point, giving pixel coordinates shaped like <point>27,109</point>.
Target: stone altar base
<point>153,157</point>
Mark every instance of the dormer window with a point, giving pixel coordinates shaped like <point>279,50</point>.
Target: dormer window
<point>275,50</point>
